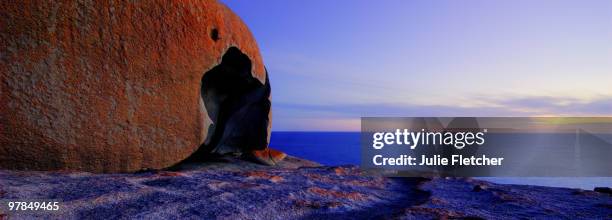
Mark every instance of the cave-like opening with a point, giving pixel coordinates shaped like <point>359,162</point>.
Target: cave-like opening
<point>238,105</point>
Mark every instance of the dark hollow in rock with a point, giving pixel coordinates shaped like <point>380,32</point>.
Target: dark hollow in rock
<point>606,190</point>
<point>478,188</point>
<point>238,106</point>
<point>214,34</point>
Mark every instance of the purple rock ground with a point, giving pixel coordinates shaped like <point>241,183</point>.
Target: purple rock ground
<point>295,189</point>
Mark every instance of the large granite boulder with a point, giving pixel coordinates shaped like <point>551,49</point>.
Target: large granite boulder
<point>116,86</point>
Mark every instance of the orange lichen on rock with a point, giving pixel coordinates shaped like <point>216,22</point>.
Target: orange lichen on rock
<point>110,86</point>
<point>264,175</point>
<point>341,171</point>
<point>354,196</point>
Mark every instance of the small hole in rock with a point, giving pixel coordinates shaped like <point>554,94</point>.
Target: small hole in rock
<point>214,34</point>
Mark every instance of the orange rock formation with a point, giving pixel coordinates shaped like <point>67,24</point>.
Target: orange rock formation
<point>115,86</point>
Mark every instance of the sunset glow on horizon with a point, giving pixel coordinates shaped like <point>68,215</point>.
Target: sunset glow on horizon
<point>332,62</point>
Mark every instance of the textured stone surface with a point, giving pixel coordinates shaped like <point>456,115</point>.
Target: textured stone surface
<point>295,189</point>
<point>110,86</point>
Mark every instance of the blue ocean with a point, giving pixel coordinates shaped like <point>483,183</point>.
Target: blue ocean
<point>342,148</point>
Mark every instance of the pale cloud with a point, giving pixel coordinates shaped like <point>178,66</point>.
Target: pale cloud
<point>334,117</point>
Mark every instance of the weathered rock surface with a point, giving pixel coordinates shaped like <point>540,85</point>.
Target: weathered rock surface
<point>109,86</point>
<point>295,189</point>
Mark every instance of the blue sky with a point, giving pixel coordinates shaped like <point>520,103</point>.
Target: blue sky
<point>331,62</point>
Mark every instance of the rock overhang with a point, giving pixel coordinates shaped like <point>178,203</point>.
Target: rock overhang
<point>110,86</point>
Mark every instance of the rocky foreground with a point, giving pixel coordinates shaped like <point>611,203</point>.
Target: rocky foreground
<point>295,189</point>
